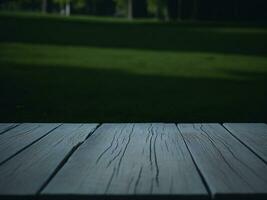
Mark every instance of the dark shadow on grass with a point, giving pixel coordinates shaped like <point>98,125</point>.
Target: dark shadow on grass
<point>189,37</point>
<point>74,94</point>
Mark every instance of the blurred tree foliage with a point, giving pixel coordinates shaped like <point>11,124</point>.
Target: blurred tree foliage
<point>162,9</point>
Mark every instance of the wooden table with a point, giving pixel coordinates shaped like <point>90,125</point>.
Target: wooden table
<point>133,161</point>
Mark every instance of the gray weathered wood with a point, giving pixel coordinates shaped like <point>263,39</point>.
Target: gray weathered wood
<point>20,137</point>
<point>228,167</point>
<point>125,159</point>
<point>6,126</point>
<point>254,135</point>
<point>28,171</point>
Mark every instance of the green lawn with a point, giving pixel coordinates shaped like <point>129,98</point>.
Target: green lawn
<point>79,69</point>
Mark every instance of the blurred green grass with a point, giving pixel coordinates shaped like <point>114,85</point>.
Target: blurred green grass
<point>84,69</point>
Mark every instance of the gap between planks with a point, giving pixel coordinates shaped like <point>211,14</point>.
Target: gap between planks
<point>65,160</point>
<point>255,148</point>
<point>7,126</point>
<point>21,147</point>
<point>33,183</point>
<point>214,150</point>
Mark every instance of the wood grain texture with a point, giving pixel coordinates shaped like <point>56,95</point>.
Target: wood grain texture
<point>254,135</point>
<point>228,167</point>
<point>6,126</point>
<point>21,136</point>
<point>127,159</point>
<point>26,173</point>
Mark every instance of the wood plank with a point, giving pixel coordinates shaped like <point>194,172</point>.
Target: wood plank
<point>6,126</point>
<point>127,159</point>
<point>254,135</point>
<point>22,136</point>
<point>28,171</point>
<point>229,168</point>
